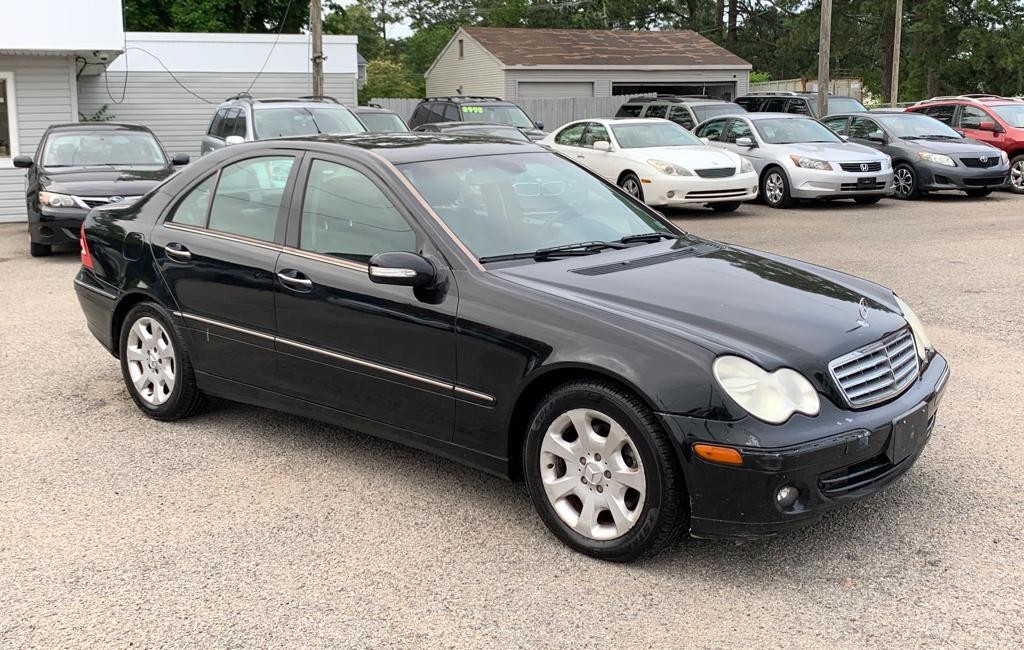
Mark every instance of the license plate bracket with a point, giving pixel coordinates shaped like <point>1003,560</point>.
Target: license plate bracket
<point>866,182</point>
<point>908,431</point>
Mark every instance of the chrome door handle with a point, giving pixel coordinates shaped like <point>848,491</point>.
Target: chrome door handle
<point>294,280</point>
<point>581,156</point>
<point>177,252</point>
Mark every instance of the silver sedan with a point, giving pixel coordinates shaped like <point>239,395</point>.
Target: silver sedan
<point>797,157</point>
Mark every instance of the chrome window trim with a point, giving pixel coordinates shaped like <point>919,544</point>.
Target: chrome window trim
<point>95,289</point>
<point>343,357</point>
<point>327,259</point>
<point>216,234</point>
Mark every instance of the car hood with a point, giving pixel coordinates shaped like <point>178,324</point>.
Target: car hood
<point>834,151</point>
<point>958,147</point>
<point>688,156</point>
<point>775,311</point>
<point>96,181</point>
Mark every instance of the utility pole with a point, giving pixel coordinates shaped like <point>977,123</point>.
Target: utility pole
<point>316,32</point>
<point>894,91</point>
<point>824,51</point>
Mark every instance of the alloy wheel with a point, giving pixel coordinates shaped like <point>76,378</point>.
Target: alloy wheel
<point>1017,175</point>
<point>632,187</point>
<point>774,188</point>
<point>149,353</point>
<point>592,474</point>
<point>903,183</point>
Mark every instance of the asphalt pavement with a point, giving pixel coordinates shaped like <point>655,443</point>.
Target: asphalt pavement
<point>243,527</point>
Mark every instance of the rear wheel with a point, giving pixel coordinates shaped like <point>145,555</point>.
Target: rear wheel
<point>155,365</point>
<point>868,200</point>
<point>775,189</point>
<point>978,193</point>
<point>1017,174</point>
<point>904,183</point>
<point>602,473</point>
<point>39,250</point>
<point>724,207</point>
<point>630,183</point>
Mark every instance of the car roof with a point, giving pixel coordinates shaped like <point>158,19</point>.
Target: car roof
<point>399,148</point>
<point>371,109</point>
<point>466,99</point>
<point>676,99</point>
<point>469,125</point>
<point>96,126</point>
<point>766,116</point>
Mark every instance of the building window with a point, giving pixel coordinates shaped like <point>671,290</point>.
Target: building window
<point>8,117</point>
<point>462,50</point>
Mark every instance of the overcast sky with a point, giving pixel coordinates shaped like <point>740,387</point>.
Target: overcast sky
<point>399,30</point>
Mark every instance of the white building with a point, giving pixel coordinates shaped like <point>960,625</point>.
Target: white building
<point>60,59</point>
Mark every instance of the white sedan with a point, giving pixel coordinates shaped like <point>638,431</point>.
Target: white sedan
<point>658,162</point>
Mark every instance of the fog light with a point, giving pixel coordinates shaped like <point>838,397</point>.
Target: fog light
<point>671,194</point>
<point>786,496</point>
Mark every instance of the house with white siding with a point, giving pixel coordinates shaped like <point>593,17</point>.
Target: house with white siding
<point>515,63</point>
<point>60,60</point>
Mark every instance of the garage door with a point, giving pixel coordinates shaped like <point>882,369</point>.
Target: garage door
<point>555,89</point>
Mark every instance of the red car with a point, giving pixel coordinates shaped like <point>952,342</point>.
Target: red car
<point>998,121</point>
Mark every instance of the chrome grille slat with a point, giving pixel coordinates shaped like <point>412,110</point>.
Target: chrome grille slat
<point>878,371</point>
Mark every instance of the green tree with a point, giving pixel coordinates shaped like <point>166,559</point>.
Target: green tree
<point>215,15</point>
<point>358,21</point>
<point>387,78</point>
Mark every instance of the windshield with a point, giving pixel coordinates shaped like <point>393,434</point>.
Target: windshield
<point>508,132</point>
<point>1014,115</point>
<point>304,120</point>
<point>501,205</point>
<point>501,114</point>
<point>383,122</point>
<point>909,125</point>
<point>705,111</point>
<point>844,105</point>
<point>641,135</point>
<point>787,130</point>
<point>116,148</point>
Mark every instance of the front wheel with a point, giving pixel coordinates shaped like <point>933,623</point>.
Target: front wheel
<point>775,189</point>
<point>630,183</point>
<point>156,366</point>
<point>978,193</point>
<point>725,207</point>
<point>904,183</point>
<point>1017,174</point>
<point>602,473</point>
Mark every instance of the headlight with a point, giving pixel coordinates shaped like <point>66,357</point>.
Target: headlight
<point>745,166</point>
<point>887,163</point>
<point>937,158</point>
<point>1005,157</point>
<point>921,340</point>
<point>810,163</point>
<point>53,200</point>
<point>769,396</point>
<point>669,168</point>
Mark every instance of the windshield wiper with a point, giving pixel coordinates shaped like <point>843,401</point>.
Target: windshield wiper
<point>646,238</point>
<point>569,250</point>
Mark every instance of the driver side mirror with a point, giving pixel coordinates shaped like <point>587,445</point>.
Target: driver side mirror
<point>234,139</point>
<point>23,162</point>
<point>603,145</point>
<point>539,125</point>
<point>401,268</point>
<point>877,137</point>
<point>989,126</point>
<point>179,159</point>
<point>745,142</point>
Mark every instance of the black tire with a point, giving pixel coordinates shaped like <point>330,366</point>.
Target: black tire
<point>1017,174</point>
<point>630,184</point>
<point>867,200</point>
<point>184,398</point>
<point>979,193</point>
<point>725,207</point>
<point>904,183</point>
<point>665,510</point>
<point>36,249</point>
<point>774,177</point>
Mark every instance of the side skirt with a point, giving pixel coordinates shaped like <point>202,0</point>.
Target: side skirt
<point>239,392</point>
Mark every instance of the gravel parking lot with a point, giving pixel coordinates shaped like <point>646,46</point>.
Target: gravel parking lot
<point>245,527</point>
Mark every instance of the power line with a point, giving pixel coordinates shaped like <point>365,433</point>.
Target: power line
<point>280,28</point>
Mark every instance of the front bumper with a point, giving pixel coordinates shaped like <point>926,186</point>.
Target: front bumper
<point>844,456</point>
<point>932,177</point>
<point>56,225</point>
<point>837,184</point>
<point>664,190</point>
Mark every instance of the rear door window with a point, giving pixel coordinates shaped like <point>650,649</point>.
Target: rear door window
<point>451,113</point>
<point>249,195</point>
<point>943,113</point>
<point>681,116</point>
<point>775,105</point>
<point>629,110</point>
<point>798,106</point>
<point>751,104</point>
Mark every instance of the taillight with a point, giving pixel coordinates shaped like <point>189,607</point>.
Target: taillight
<point>86,257</point>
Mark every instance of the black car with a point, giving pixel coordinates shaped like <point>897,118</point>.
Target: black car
<point>465,108</point>
<point>380,120</point>
<point>926,154</point>
<point>83,165</point>
<point>474,128</point>
<point>643,381</point>
<point>800,103</point>
<point>685,111</point>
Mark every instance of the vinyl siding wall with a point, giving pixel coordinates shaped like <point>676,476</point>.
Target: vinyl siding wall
<point>603,79</point>
<point>478,72</point>
<point>180,119</point>
<point>44,94</point>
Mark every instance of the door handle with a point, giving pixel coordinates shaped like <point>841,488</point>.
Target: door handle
<point>581,156</point>
<point>294,280</point>
<point>177,252</point>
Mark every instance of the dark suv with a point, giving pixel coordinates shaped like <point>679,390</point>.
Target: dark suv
<point>475,109</point>
<point>800,103</point>
<point>686,111</point>
<point>994,120</point>
<point>243,118</point>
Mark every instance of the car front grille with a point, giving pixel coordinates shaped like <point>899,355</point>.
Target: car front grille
<point>984,161</point>
<point>862,167</point>
<point>716,172</point>
<point>853,187</point>
<point>985,181</point>
<point>877,372</point>
<point>96,201</point>
<point>717,194</point>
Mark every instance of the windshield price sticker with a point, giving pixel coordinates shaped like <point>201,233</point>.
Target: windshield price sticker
<point>472,109</point>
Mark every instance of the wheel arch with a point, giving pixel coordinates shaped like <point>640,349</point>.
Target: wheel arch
<point>542,383</point>
<point>124,305</point>
<point>623,173</point>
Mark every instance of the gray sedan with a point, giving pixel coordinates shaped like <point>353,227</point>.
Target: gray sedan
<point>797,157</point>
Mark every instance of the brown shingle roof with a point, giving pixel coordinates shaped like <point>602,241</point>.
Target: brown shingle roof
<point>522,46</point>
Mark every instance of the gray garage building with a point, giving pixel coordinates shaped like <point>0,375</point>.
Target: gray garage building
<point>516,63</point>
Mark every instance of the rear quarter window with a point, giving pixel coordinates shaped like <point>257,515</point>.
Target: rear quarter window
<point>629,110</point>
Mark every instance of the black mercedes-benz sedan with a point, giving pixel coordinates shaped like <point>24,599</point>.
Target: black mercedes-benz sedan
<point>82,165</point>
<point>495,303</point>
